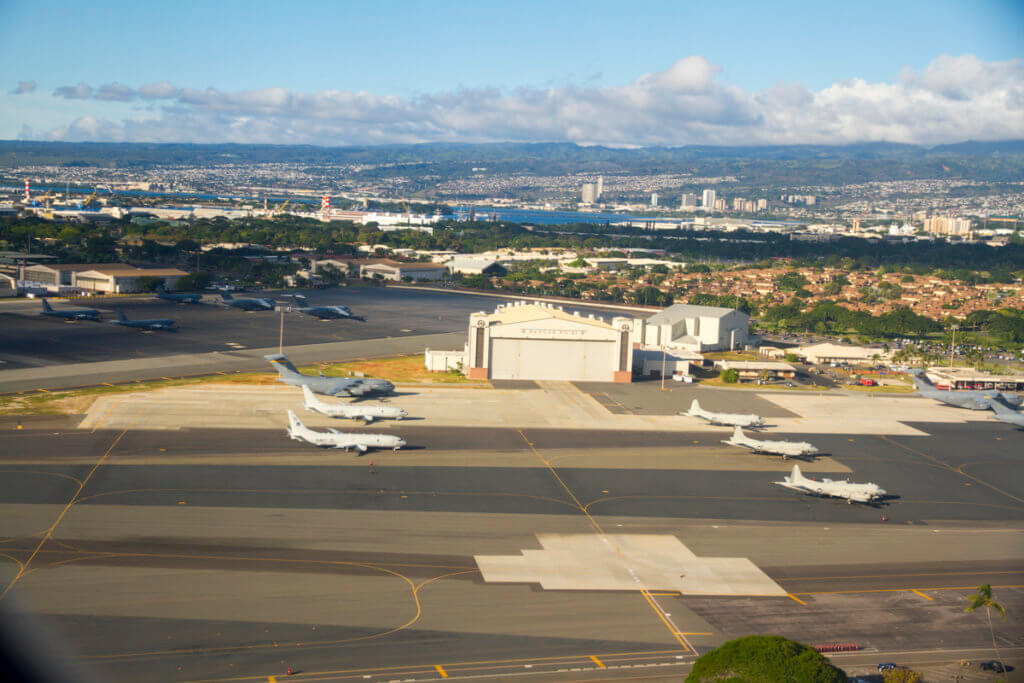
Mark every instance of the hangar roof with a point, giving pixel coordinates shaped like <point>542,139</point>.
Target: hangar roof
<point>678,312</point>
<point>525,312</point>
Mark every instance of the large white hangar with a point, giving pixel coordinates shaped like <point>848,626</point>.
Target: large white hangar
<point>532,341</point>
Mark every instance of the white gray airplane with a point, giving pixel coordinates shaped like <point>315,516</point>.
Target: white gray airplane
<point>1004,413</point>
<point>349,410</point>
<point>332,438</point>
<point>971,399</point>
<point>853,493</point>
<point>786,449</point>
<point>729,419</point>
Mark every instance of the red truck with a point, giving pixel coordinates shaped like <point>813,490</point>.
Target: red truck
<point>868,382</point>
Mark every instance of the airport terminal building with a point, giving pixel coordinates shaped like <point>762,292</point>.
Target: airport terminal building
<point>530,341</point>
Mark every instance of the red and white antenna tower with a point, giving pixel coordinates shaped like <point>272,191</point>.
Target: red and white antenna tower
<point>325,205</point>
<point>26,190</point>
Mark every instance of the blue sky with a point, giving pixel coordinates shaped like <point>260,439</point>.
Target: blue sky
<point>422,52</point>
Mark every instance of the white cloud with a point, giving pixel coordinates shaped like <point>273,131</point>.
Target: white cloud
<point>24,87</point>
<point>952,99</point>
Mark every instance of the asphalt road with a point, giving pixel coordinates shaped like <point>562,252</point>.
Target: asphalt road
<point>28,339</point>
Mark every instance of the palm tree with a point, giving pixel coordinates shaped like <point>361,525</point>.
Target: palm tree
<point>984,599</point>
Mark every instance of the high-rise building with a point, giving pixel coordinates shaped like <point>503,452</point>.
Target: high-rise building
<point>600,186</point>
<point>947,226</point>
<point>708,200</point>
<point>654,199</point>
<point>762,204</point>
<point>738,203</point>
<point>720,204</point>
<point>589,194</point>
<point>688,202</point>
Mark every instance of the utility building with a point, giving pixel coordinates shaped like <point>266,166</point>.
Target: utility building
<point>694,328</point>
<point>533,341</point>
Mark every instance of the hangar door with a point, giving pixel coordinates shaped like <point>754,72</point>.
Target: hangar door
<point>557,359</point>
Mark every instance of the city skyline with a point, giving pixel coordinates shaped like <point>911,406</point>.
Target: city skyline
<point>456,72</point>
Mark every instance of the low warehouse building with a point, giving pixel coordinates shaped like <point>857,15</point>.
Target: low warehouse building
<point>826,352</point>
<point>753,369</point>
<point>125,279</point>
<point>531,341</point>
<point>398,271</point>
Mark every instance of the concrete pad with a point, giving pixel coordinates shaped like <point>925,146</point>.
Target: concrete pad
<point>626,562</point>
<point>558,405</point>
<point>867,414</point>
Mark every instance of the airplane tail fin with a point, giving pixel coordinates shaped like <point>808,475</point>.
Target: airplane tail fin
<point>301,300</point>
<point>795,475</point>
<point>695,406</point>
<point>121,316</point>
<point>46,305</point>
<point>282,364</point>
<point>308,398</point>
<point>737,433</point>
<point>293,421</point>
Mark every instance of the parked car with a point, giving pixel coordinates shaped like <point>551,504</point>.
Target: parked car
<point>888,666</point>
<point>993,665</point>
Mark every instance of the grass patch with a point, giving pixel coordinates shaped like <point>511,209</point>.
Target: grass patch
<point>882,388</point>
<point>733,355</point>
<point>778,386</point>
<point>400,370</point>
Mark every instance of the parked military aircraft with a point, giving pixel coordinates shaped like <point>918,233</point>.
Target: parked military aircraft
<point>1004,413</point>
<point>332,438</point>
<point>247,304</point>
<point>853,493</point>
<point>730,419</point>
<point>971,399</point>
<point>349,410</point>
<point>70,313</point>
<point>152,324</point>
<point>786,449</point>
<point>162,293</point>
<point>322,312</point>
<point>359,387</point>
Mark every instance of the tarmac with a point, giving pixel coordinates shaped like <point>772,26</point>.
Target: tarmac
<point>180,535</point>
<point>546,531</point>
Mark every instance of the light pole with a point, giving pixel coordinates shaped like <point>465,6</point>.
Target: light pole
<point>663,367</point>
<point>952,345</point>
<point>280,340</point>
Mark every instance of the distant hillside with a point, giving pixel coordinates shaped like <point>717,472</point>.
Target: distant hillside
<point>988,161</point>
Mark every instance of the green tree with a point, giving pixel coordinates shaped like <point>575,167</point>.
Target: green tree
<point>900,675</point>
<point>148,283</point>
<point>730,376</point>
<point>764,659</point>
<point>984,599</point>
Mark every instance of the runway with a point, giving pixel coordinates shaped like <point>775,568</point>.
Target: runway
<point>223,553</point>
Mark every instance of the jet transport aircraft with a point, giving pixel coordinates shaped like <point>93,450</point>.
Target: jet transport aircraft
<point>359,387</point>
<point>164,295</point>
<point>1004,413</point>
<point>152,324</point>
<point>70,313</point>
<point>853,493</point>
<point>349,410</point>
<point>730,419</point>
<point>322,312</point>
<point>332,438</point>
<point>970,399</point>
<point>248,304</point>
<point>786,449</point>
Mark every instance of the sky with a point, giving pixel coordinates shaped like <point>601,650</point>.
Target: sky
<point>596,72</point>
